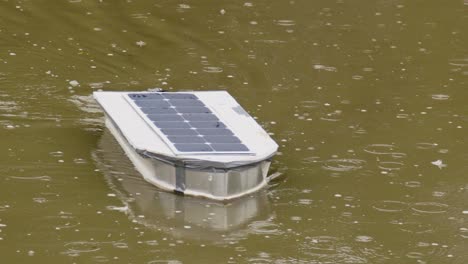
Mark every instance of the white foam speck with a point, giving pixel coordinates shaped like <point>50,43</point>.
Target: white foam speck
<point>140,43</point>
<point>439,163</point>
<point>74,83</point>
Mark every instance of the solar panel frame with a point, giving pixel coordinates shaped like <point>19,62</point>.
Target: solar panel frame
<point>202,113</point>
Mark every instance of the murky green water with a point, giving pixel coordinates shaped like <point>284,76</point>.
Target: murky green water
<point>366,98</point>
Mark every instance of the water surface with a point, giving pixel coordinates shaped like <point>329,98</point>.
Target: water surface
<point>367,100</point>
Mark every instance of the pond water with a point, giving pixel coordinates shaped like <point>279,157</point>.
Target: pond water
<point>367,100</point>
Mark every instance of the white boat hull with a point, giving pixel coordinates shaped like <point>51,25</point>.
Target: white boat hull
<point>217,184</point>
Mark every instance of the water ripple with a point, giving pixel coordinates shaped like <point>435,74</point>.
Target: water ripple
<point>265,228</point>
<point>78,247</point>
<point>416,227</point>
<point>343,164</point>
<point>32,178</point>
<point>390,165</point>
<point>380,149</point>
<point>389,206</point>
<point>213,69</point>
<point>429,207</point>
<point>323,244</point>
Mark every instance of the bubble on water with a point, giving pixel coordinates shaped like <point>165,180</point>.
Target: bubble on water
<point>123,209</point>
<point>343,164</point>
<point>464,232</point>
<point>363,239</point>
<point>97,85</point>
<point>324,68</point>
<point>402,116</point>
<point>171,261</point>
<point>429,207</point>
<point>56,154</point>
<point>413,184</point>
<point>305,201</point>
<point>79,161</point>
<point>438,194</point>
<point>40,200</point>
<point>184,6</point>
<point>74,83</point>
<point>140,43</point>
<point>152,243</point>
<point>426,145</point>
<point>440,97</point>
<point>439,163</point>
<point>414,255</point>
<point>101,259</point>
<point>120,244</point>
<point>285,23</point>
<point>211,69</point>
<point>310,104</point>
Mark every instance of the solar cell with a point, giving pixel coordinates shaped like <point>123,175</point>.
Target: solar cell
<point>229,147</point>
<point>152,103</point>
<point>186,139</point>
<point>209,124</point>
<point>187,123</point>
<point>145,96</point>
<point>222,139</point>
<point>159,110</point>
<point>178,132</point>
<point>168,124</point>
<point>200,117</point>
<point>177,102</point>
<point>214,131</point>
<point>179,96</point>
<point>157,117</point>
<point>193,147</point>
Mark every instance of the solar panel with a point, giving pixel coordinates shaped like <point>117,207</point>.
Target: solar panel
<point>186,124</point>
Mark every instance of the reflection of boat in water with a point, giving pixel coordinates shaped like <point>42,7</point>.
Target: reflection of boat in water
<point>182,216</point>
